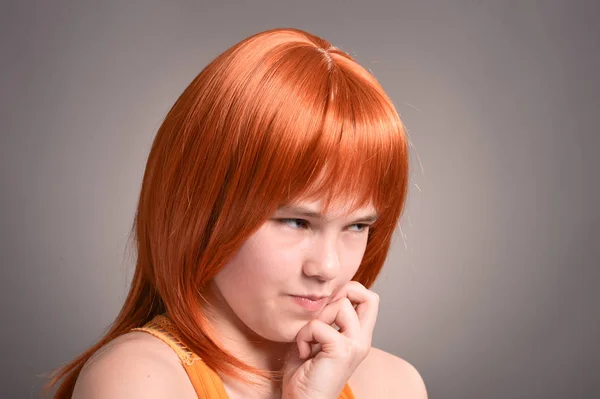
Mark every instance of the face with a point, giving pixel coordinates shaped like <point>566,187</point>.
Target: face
<point>296,253</point>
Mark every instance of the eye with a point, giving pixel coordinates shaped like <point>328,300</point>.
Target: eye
<point>361,227</point>
<point>294,223</point>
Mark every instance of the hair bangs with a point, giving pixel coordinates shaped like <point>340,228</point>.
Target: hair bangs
<point>311,123</point>
<point>358,156</point>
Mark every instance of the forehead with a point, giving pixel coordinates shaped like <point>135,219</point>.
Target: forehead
<point>336,208</point>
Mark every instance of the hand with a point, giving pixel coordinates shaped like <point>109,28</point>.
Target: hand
<point>323,359</point>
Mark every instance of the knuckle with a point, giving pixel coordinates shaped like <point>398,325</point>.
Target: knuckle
<point>314,323</point>
<point>345,302</point>
<point>374,296</point>
<point>361,349</point>
<point>347,349</point>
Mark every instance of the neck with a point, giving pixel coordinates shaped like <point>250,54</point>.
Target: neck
<point>236,338</point>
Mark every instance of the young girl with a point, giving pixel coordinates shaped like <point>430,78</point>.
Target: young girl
<point>267,208</point>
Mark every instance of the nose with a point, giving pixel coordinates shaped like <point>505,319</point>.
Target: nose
<point>322,260</point>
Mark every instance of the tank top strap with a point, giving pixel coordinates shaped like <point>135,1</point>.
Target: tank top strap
<point>206,381</point>
<point>163,328</point>
<point>347,393</point>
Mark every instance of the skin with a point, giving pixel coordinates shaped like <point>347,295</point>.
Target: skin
<point>292,253</point>
<point>296,254</point>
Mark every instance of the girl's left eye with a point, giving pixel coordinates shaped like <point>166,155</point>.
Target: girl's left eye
<point>291,222</point>
<point>361,227</point>
<point>300,223</point>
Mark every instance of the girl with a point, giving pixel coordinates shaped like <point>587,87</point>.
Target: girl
<point>267,208</point>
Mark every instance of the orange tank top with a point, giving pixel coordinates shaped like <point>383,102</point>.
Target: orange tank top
<point>206,381</point>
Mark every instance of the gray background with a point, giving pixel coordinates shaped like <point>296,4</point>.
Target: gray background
<point>490,290</point>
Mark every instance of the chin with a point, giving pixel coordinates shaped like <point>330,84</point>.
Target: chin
<point>284,332</point>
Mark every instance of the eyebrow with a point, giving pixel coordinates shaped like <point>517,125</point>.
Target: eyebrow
<point>297,210</point>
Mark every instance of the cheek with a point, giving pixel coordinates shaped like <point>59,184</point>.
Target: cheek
<point>273,256</point>
<point>260,263</point>
<point>352,252</point>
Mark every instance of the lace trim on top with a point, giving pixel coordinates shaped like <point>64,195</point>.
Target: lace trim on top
<point>164,329</point>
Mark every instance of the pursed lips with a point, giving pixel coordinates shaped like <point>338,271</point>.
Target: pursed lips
<point>312,297</point>
<point>310,302</point>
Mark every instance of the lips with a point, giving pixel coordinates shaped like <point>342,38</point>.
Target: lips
<point>310,302</point>
<point>312,297</point>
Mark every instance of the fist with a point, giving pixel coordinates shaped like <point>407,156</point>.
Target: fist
<point>329,348</point>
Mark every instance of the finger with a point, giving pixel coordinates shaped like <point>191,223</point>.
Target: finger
<point>315,348</point>
<point>341,312</point>
<point>367,302</point>
<point>316,331</point>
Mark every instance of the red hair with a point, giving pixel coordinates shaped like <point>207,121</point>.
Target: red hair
<point>251,132</point>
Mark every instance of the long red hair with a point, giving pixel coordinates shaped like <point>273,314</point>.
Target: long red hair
<point>251,132</point>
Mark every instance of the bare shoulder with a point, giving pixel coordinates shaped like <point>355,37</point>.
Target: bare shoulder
<point>134,365</point>
<point>383,375</point>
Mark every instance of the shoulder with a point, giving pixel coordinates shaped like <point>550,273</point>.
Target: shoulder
<point>134,365</point>
<point>384,375</point>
